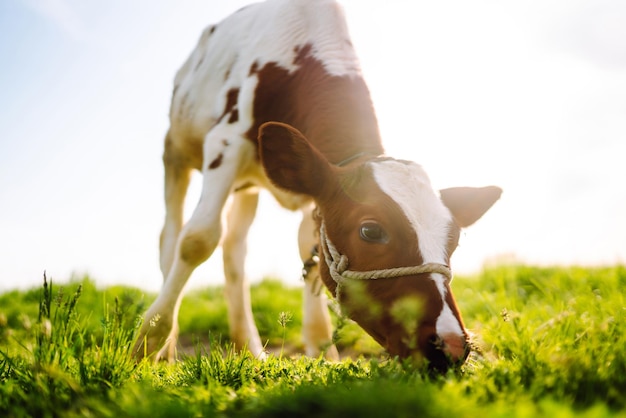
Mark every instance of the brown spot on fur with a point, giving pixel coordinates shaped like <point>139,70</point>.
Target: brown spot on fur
<point>216,162</point>
<point>254,68</point>
<point>234,116</point>
<point>301,53</point>
<point>335,113</point>
<point>231,101</point>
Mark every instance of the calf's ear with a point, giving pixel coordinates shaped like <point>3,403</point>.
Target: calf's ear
<point>291,162</point>
<point>468,204</point>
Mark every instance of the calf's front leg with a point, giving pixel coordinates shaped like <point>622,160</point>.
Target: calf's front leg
<point>196,242</point>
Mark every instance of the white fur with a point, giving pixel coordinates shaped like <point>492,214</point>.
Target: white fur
<point>222,60</point>
<point>447,324</point>
<point>409,186</point>
<point>245,38</point>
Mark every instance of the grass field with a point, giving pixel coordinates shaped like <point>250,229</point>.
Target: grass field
<point>550,342</point>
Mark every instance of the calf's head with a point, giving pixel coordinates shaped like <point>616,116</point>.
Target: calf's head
<point>381,214</point>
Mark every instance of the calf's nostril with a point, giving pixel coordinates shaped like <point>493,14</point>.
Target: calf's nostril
<point>436,342</point>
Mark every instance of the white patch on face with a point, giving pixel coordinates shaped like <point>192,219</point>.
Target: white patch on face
<point>409,186</point>
<point>446,322</point>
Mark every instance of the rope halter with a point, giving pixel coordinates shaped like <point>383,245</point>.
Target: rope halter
<point>338,266</point>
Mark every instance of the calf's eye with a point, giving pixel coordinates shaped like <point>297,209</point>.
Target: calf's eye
<point>372,232</point>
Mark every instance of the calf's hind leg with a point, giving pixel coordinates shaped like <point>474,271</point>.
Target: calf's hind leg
<point>177,178</point>
<point>317,330</point>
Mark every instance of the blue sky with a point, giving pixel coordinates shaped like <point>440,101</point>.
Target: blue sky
<point>527,95</point>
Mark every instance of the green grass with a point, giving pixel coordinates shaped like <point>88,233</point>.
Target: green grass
<point>550,342</point>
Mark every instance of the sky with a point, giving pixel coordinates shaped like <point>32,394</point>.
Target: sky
<point>530,96</point>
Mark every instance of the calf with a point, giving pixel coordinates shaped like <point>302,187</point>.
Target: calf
<point>273,97</point>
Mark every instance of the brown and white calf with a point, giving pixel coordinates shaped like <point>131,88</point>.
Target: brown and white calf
<point>273,97</point>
